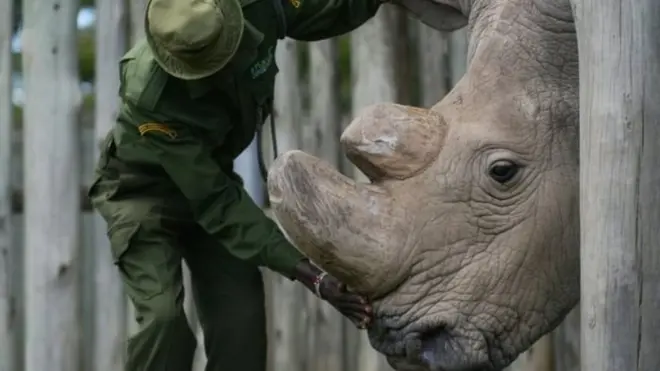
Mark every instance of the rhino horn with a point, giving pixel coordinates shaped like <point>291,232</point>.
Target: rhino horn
<point>348,229</point>
<point>392,141</point>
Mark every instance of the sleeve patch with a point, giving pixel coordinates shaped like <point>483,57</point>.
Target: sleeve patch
<point>152,126</point>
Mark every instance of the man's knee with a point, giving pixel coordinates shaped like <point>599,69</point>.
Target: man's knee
<point>163,310</point>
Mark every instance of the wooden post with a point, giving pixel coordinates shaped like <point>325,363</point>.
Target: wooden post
<point>7,297</point>
<point>51,180</point>
<point>432,56</point>
<point>137,10</point>
<point>619,183</point>
<point>538,358</point>
<point>109,302</point>
<point>287,308</point>
<point>325,347</point>
<point>567,343</point>
<point>458,50</point>
<point>374,81</point>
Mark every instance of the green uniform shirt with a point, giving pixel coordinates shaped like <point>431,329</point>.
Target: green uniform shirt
<point>191,131</point>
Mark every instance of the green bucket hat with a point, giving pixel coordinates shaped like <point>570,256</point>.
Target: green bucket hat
<point>193,39</point>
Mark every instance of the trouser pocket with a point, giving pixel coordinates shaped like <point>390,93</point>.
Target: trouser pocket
<point>147,259</point>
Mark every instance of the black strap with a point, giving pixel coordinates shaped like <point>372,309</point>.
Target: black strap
<point>281,19</point>
<point>260,152</point>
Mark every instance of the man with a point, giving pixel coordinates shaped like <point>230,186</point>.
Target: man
<point>194,93</point>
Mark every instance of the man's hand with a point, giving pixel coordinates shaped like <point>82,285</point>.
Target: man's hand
<point>353,306</point>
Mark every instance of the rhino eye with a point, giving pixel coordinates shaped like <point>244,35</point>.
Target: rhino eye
<point>503,171</point>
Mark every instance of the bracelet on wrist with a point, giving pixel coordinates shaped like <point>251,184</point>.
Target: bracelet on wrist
<point>317,283</point>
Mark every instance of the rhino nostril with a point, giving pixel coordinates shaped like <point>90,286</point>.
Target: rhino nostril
<point>433,344</point>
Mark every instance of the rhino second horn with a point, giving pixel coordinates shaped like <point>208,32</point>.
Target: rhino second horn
<point>394,141</point>
<point>348,229</point>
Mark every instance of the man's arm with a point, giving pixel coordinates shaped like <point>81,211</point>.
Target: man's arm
<point>220,205</point>
<point>311,20</point>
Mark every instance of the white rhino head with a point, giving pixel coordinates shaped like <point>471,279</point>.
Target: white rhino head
<point>466,239</point>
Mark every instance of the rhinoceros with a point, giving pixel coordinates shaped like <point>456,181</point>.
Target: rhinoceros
<point>466,237</point>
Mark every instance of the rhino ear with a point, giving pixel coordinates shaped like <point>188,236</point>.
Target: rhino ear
<point>434,14</point>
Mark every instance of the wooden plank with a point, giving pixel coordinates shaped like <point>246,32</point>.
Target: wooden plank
<point>540,357</point>
<point>286,305</point>
<point>137,10</point>
<point>109,316</point>
<point>619,183</point>
<point>18,200</point>
<point>7,252</point>
<point>374,81</point>
<point>52,181</point>
<point>567,343</point>
<point>458,53</point>
<point>325,350</point>
<point>432,56</point>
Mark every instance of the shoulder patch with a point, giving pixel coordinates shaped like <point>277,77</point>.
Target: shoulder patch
<point>152,126</point>
<point>296,3</point>
<point>260,66</point>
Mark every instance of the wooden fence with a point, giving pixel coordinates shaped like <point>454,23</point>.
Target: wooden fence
<point>61,306</point>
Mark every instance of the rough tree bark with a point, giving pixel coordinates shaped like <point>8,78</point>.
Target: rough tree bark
<point>51,181</point>
<point>7,297</point>
<point>325,346</point>
<point>109,329</point>
<point>619,182</point>
<point>374,81</point>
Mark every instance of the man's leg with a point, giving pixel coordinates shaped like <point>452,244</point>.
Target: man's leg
<point>148,258</point>
<point>145,235</point>
<point>229,296</point>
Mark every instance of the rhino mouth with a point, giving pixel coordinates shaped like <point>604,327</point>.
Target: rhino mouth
<point>430,346</point>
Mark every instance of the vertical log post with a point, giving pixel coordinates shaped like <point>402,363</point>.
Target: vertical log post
<point>374,81</point>
<point>51,138</point>
<point>136,11</point>
<point>325,348</point>
<point>287,315</point>
<point>432,57</point>
<point>458,53</point>
<point>109,329</point>
<point>619,56</point>
<point>7,296</point>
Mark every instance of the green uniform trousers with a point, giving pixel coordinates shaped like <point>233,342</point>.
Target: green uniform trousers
<point>150,234</point>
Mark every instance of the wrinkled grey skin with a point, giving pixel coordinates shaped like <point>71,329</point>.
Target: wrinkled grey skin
<point>484,267</point>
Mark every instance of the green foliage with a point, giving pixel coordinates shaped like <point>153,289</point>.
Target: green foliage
<point>86,54</point>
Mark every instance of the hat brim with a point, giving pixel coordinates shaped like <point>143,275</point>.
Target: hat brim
<point>211,58</point>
